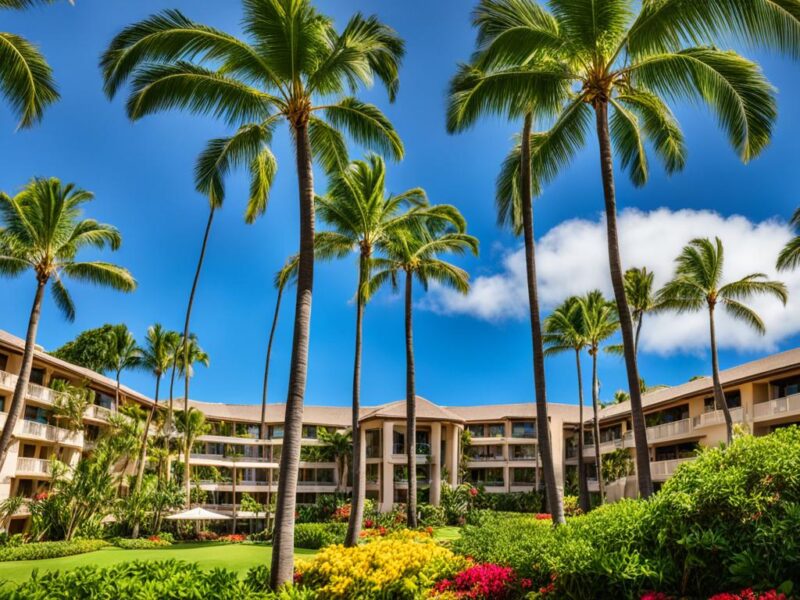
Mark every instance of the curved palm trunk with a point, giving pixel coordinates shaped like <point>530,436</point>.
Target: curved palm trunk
<point>168,427</point>
<point>639,322</point>
<point>359,479</point>
<point>187,484</point>
<point>596,426</point>
<point>283,539</point>
<point>116,392</point>
<point>21,389</point>
<point>583,488</point>
<point>263,429</point>
<point>137,486</point>
<point>719,395</point>
<point>411,408</point>
<point>554,500</point>
<point>617,281</point>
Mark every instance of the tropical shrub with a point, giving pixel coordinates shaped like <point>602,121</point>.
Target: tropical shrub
<point>318,535</point>
<point>402,565</point>
<point>724,521</point>
<point>166,580</point>
<point>572,506</point>
<point>40,550</point>
<point>483,582</point>
<point>233,538</point>
<point>430,515</point>
<point>153,541</point>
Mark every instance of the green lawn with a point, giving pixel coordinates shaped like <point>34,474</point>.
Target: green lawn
<point>238,557</point>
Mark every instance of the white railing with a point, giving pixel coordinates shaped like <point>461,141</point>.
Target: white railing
<point>95,411</point>
<point>663,469</point>
<point>8,380</point>
<point>605,447</point>
<point>48,432</point>
<point>777,407</point>
<point>661,432</point>
<point>35,466</point>
<point>717,417</point>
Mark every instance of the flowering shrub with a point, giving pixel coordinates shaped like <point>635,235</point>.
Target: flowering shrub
<point>342,513</point>
<point>141,543</point>
<point>318,535</point>
<point>482,582</point>
<point>401,566</point>
<point>543,517</point>
<point>749,594</point>
<point>233,538</point>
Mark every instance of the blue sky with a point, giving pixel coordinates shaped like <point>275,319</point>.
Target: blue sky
<point>142,176</point>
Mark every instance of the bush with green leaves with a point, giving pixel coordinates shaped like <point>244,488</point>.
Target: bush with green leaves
<point>430,515</point>
<point>141,543</point>
<point>40,550</point>
<point>165,580</point>
<point>725,521</point>
<point>314,536</point>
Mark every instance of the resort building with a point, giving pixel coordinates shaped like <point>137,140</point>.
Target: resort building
<point>500,451</point>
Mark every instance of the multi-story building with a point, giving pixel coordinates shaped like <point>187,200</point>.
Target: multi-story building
<point>502,454</point>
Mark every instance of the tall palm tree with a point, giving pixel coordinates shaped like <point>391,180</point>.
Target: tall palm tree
<point>234,454</point>
<point>697,285</point>
<point>124,354</point>
<point>789,256</point>
<point>599,322</point>
<point>413,252</point>
<point>363,217</point>
<point>641,298</point>
<point>69,407</point>
<point>341,445</point>
<point>158,355</point>
<point>296,66</point>
<point>25,77</point>
<point>191,423</point>
<point>564,332</point>
<point>623,57</point>
<point>41,229</point>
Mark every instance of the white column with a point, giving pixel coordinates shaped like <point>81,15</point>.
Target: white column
<point>387,475</point>
<point>436,462</point>
<point>455,449</point>
<point>557,445</point>
<point>362,434</point>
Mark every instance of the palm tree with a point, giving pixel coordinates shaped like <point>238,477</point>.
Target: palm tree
<point>157,357</point>
<point>124,353</point>
<point>564,332</point>
<point>414,252</point>
<point>69,407</point>
<point>42,230</point>
<point>296,67</point>
<point>789,256</point>
<point>341,445</point>
<point>584,56</point>
<point>697,285</point>
<point>363,217</point>
<point>599,322</point>
<point>192,424</point>
<point>25,76</point>
<point>641,298</point>
<point>234,455</point>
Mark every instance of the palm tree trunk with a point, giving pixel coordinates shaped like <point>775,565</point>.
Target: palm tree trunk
<point>719,395</point>
<point>554,500</point>
<point>234,500</point>
<point>21,389</point>
<point>168,426</point>
<point>359,482</point>
<point>186,480</point>
<point>282,571</point>
<point>583,488</point>
<point>411,408</point>
<point>617,281</point>
<point>116,392</point>
<point>639,322</point>
<point>596,426</point>
<point>263,429</point>
<point>143,453</point>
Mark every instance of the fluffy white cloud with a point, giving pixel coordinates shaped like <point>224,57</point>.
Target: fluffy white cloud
<point>572,258</point>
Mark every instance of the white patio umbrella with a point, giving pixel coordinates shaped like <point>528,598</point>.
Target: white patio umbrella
<point>198,514</point>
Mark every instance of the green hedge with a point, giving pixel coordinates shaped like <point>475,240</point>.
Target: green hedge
<point>314,536</point>
<point>165,580</point>
<point>725,521</point>
<point>40,550</point>
<point>140,543</point>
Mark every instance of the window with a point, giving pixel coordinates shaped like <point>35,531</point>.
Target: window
<point>276,453</point>
<point>523,476</point>
<point>475,430</point>
<point>523,429</point>
<point>310,432</point>
<point>733,399</point>
<point>497,430</point>
<point>373,443</point>
<point>786,387</point>
<point>2,404</point>
<point>490,477</point>
<point>3,361</point>
<point>34,413</point>
<point>37,376</point>
<point>676,451</point>
<point>609,434</point>
<point>373,473</point>
<point>276,432</point>
<point>524,452</point>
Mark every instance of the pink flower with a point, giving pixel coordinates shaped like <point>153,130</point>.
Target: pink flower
<point>473,492</point>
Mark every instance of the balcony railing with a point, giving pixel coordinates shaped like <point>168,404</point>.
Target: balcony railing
<point>663,469</point>
<point>422,449</point>
<point>523,457</point>
<point>605,447</point>
<point>717,417</point>
<point>33,466</point>
<point>662,432</point>
<point>777,408</point>
<point>8,380</point>
<point>49,432</point>
<point>486,457</point>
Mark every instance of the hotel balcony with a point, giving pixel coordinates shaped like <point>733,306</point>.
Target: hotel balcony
<point>35,391</point>
<point>717,417</point>
<point>241,462</point>
<point>33,467</point>
<point>787,406</point>
<point>423,450</point>
<point>662,433</point>
<point>31,430</point>
<point>661,470</point>
<point>605,447</point>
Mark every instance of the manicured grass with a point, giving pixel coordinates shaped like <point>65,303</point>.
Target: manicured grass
<point>238,557</point>
<point>446,533</point>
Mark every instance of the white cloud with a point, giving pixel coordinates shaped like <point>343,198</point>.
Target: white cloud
<point>572,258</point>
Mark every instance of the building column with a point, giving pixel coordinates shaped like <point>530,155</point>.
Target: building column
<point>455,449</point>
<point>387,468</point>
<point>362,434</point>
<point>557,445</point>
<point>435,464</point>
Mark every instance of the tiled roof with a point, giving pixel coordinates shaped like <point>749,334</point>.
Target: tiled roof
<point>426,410</point>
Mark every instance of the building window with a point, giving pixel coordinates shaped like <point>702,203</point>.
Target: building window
<point>732,399</point>
<point>488,477</point>
<point>373,473</point>
<point>523,429</point>
<point>34,413</point>
<point>609,434</point>
<point>310,432</point>
<point>786,387</point>
<point>3,361</point>
<point>372,438</point>
<point>523,476</point>
<point>476,430</point>
<point>37,376</point>
<point>527,452</point>
<point>497,430</point>
<point>2,404</point>
<point>276,432</point>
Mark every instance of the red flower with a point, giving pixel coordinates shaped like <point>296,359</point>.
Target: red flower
<point>473,492</point>
<point>369,523</point>
<point>543,517</point>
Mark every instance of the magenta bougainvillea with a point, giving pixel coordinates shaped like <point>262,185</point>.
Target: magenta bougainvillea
<point>745,594</point>
<point>483,582</point>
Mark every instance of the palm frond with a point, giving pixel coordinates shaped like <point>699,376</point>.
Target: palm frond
<point>626,135</point>
<point>101,273</point>
<point>594,28</point>
<point>62,299</point>
<point>26,80</point>
<point>262,173</point>
<point>755,284</point>
<point>745,314</point>
<point>328,145</point>
<point>443,273</point>
<point>789,256</point>
<point>367,125</point>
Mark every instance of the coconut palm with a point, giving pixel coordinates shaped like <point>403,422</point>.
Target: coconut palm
<point>41,229</point>
<point>627,59</point>
<point>25,77</point>
<point>124,354</point>
<point>69,406</point>
<point>641,298</point>
<point>413,252</point>
<point>158,355</point>
<point>294,67</point>
<point>191,423</point>
<point>697,285</point>
<point>564,332</point>
<point>789,256</point>
<point>341,446</point>
<point>599,322</point>
<point>363,216</point>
